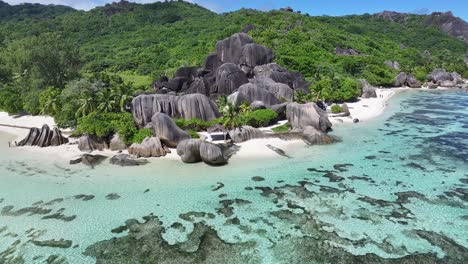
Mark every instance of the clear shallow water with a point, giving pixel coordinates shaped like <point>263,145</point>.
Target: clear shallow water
<point>394,188</point>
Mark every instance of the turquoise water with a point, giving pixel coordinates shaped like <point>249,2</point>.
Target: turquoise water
<point>395,189</point>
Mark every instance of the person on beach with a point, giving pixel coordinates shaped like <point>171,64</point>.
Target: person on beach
<point>9,144</point>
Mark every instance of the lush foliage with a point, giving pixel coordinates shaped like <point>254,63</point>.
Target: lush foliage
<point>196,124</point>
<point>105,125</point>
<point>193,133</point>
<point>259,118</point>
<point>139,136</point>
<point>336,109</point>
<point>283,128</point>
<point>69,64</point>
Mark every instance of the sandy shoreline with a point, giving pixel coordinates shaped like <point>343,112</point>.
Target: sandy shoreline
<point>364,110</point>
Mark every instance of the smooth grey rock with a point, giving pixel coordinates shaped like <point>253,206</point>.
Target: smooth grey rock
<point>256,105</point>
<point>280,90</point>
<point>403,79</point>
<point>230,49</point>
<point>249,93</point>
<point>43,137</point>
<point>254,54</point>
<point>346,52</point>
<point>188,73</point>
<point>212,62</point>
<point>280,109</point>
<point>278,151</point>
<point>393,65</point>
<point>439,75</point>
<point>150,147</point>
<point>176,84</point>
<point>229,77</point>
<point>303,115</point>
<point>89,160</point>
<point>88,143</point>
<point>189,150</point>
<point>117,144</point>
<point>355,120</point>
<point>167,131</point>
<point>312,136</point>
<point>212,154</point>
<point>249,28</point>
<point>345,109</point>
<point>126,160</point>
<point>367,91</point>
<point>53,243</point>
<point>245,133</point>
<point>187,106</point>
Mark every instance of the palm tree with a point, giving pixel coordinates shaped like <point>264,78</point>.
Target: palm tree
<point>122,95</point>
<point>106,101</point>
<point>87,105</point>
<point>230,116</point>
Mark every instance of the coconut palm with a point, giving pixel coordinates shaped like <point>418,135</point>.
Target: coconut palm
<point>122,95</point>
<point>231,116</point>
<point>87,105</point>
<point>106,101</point>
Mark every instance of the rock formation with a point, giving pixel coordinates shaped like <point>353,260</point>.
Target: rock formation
<point>150,147</point>
<point>229,77</point>
<point>126,160</point>
<point>443,78</point>
<point>43,137</point>
<point>89,143</point>
<point>212,154</point>
<point>312,136</point>
<point>346,52</point>
<point>448,23</point>
<point>89,160</point>
<point>189,150</point>
<point>245,133</point>
<point>368,91</point>
<point>187,106</point>
<point>167,131</point>
<point>196,150</point>
<point>249,93</point>
<point>303,115</point>
<point>408,80</point>
<point>116,144</point>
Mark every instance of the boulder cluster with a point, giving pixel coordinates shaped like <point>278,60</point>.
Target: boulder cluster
<point>238,68</point>
<point>196,150</point>
<point>442,78</point>
<point>44,137</point>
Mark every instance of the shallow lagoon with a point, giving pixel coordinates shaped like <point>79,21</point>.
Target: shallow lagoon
<point>394,188</point>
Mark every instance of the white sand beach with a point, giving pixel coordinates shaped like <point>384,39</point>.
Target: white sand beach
<point>364,110</point>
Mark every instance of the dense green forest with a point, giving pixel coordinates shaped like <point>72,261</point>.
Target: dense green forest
<point>68,63</point>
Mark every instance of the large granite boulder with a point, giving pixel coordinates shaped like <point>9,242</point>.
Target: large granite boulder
<point>89,143</point>
<point>254,54</point>
<point>403,79</point>
<point>167,131</point>
<point>126,160</point>
<point>368,91</point>
<point>280,109</point>
<point>303,115</point>
<point>150,147</point>
<point>189,150</point>
<point>245,133</point>
<point>249,93</point>
<point>230,49</point>
<point>188,73</point>
<point>89,160</point>
<point>394,65</point>
<point>229,77</point>
<point>212,154</point>
<point>312,136</point>
<point>176,84</point>
<point>257,105</point>
<point>187,106</point>
<point>212,62</point>
<point>439,75</point>
<point>44,137</point>
<point>117,144</point>
<point>279,74</point>
<point>280,90</point>
<point>198,85</point>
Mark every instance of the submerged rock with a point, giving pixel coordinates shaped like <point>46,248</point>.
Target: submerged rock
<point>150,147</point>
<point>303,115</point>
<point>89,160</point>
<point>167,131</point>
<point>53,243</point>
<point>126,160</point>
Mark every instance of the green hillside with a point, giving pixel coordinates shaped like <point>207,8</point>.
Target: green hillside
<point>50,46</point>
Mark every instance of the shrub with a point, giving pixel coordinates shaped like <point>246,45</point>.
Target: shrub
<point>336,109</point>
<point>283,128</point>
<point>141,135</point>
<point>31,103</point>
<point>105,125</point>
<point>196,124</point>
<point>193,133</point>
<point>10,100</point>
<point>259,118</point>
